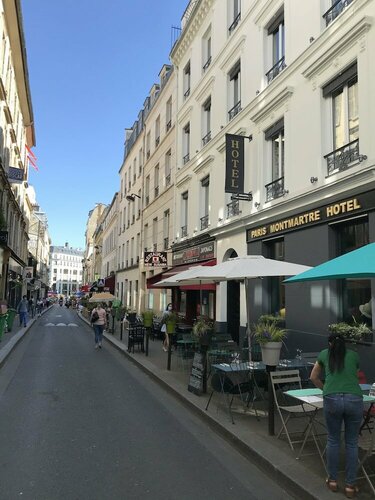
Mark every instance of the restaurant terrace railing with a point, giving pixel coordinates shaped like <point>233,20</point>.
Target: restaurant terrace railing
<point>335,10</point>
<point>276,69</point>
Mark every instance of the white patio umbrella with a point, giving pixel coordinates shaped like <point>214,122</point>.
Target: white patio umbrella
<point>241,268</point>
<point>102,297</point>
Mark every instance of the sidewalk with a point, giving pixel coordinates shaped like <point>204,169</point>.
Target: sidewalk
<point>303,478</point>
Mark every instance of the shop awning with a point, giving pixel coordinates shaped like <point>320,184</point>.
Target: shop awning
<point>178,269</point>
<point>109,283</point>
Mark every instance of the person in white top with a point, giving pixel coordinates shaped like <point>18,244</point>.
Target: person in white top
<point>98,320</point>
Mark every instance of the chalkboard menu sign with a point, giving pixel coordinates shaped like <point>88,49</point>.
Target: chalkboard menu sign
<point>196,375</point>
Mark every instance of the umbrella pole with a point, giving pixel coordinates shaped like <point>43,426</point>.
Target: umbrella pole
<point>248,332</point>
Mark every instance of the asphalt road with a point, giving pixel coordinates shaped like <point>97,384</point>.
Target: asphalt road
<point>79,423</point>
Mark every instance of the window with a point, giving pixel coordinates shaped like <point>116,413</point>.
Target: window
<point>206,119</point>
<point>205,202</point>
<point>276,34</point>
<point>134,170</point>
<point>168,114</point>
<point>342,91</point>
<point>125,183</point>
<point>234,90</point>
<point>186,82</point>
<point>132,252</point>
<point>235,14</point>
<point>130,178</point>
<point>156,181</point>
<point>148,145</point>
<point>157,131</point>
<point>337,7</point>
<point>186,143</point>
<point>168,160</point>
<point>145,235</point>
<point>352,293</point>
<point>206,50</point>
<point>275,136</point>
<point>155,234</point>
<point>166,221</point>
<point>147,190</point>
<point>139,202</point>
<point>184,213</point>
<point>140,162</point>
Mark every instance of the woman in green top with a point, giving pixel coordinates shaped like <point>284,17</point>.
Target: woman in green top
<point>343,402</point>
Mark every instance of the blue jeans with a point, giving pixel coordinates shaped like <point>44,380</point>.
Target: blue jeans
<point>98,329</point>
<point>23,318</point>
<point>347,408</point>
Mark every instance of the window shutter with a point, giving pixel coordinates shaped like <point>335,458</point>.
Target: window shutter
<point>340,80</point>
<point>275,129</point>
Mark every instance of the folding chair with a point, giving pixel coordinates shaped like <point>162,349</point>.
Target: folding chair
<point>366,444</point>
<point>286,407</point>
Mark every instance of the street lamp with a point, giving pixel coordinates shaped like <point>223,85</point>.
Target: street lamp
<point>131,197</point>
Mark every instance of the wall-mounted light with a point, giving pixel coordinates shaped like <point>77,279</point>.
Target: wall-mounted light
<point>221,126</point>
<point>313,180</point>
<point>257,204</point>
<point>131,197</point>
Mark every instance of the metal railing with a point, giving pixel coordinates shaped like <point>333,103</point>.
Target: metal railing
<point>157,141</point>
<point>133,219</point>
<point>186,158</point>
<point>166,243</point>
<point>335,10</point>
<point>233,208</point>
<point>340,159</point>
<point>275,189</point>
<point>233,26</point>
<point>169,125</point>
<point>187,93</point>
<point>183,231</point>
<point>207,64</point>
<point>156,191</point>
<point>204,222</point>
<point>235,110</point>
<point>168,179</point>
<point>206,138</point>
<point>148,154</point>
<point>276,69</point>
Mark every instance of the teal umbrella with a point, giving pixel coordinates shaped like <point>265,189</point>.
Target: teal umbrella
<point>357,264</point>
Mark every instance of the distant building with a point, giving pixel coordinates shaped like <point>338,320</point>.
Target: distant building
<point>65,269</point>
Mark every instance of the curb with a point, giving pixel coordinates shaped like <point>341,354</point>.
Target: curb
<point>295,478</point>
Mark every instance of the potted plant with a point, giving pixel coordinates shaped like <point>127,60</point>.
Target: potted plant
<point>170,320</point>
<point>203,329</point>
<point>275,319</point>
<point>351,333</point>
<point>270,338</point>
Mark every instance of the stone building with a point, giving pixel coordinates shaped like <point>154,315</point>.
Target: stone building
<point>66,269</point>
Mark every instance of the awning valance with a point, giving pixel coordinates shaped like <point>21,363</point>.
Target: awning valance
<point>178,269</point>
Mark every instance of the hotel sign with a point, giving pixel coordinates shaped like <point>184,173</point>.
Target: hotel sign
<point>234,163</point>
<point>323,214</point>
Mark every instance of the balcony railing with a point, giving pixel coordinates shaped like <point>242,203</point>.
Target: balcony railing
<point>233,208</point>
<point>156,191</point>
<point>207,64</point>
<point>168,179</point>
<point>204,222</point>
<point>132,261</point>
<point>148,154</point>
<point>275,189</point>
<point>186,158</point>
<point>340,159</point>
<point>234,111</point>
<point>183,231</point>
<point>126,263</point>
<point>169,125</point>
<point>166,243</point>
<point>139,214</point>
<point>233,26</point>
<point>147,200</point>
<point>276,69</point>
<point>133,219</point>
<point>206,138</point>
<point>157,142</point>
<point>187,93</point>
<point>335,10</point>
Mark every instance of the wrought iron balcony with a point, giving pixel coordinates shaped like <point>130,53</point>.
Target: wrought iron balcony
<point>156,191</point>
<point>206,138</point>
<point>233,208</point>
<point>139,214</point>
<point>168,179</point>
<point>275,189</point>
<point>186,158</point>
<point>187,93</point>
<point>276,69</point>
<point>183,231</point>
<point>340,159</point>
<point>166,243</point>
<point>148,154</point>
<point>233,26</point>
<point>204,222</point>
<point>335,10</point>
<point>169,125</point>
<point>207,64</point>
<point>157,141</point>
<point>234,111</point>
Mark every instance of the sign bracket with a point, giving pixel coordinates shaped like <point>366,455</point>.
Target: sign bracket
<point>242,196</point>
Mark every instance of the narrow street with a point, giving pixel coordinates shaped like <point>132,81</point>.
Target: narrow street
<point>80,423</point>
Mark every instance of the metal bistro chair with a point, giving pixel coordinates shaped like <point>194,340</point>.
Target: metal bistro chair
<point>136,337</point>
<point>286,407</point>
<point>366,444</point>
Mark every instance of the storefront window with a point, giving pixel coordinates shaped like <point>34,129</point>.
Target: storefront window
<point>276,286</point>
<point>353,292</point>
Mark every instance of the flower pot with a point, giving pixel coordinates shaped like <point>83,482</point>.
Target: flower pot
<point>271,353</point>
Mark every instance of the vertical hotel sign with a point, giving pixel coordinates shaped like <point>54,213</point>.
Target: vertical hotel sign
<point>234,163</point>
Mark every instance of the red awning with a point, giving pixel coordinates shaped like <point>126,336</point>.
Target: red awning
<point>178,269</point>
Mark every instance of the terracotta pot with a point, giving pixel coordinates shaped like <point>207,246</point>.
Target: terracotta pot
<point>271,353</point>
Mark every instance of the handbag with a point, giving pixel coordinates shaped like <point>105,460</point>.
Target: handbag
<point>94,317</point>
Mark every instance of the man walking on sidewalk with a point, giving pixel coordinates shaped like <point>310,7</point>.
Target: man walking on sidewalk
<point>22,310</point>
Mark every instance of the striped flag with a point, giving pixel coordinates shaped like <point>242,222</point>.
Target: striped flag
<point>32,158</point>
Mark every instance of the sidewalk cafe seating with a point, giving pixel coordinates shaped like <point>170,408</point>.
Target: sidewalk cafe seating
<point>136,337</point>
<point>366,444</point>
<point>287,408</point>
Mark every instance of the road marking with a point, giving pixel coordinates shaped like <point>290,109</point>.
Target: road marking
<point>50,324</point>
<point>58,316</point>
<point>73,324</point>
<point>62,324</point>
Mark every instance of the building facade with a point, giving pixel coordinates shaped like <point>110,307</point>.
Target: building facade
<point>90,265</point>
<point>66,269</point>
<point>108,250</point>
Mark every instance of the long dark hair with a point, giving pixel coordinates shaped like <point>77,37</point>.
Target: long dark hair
<point>336,350</point>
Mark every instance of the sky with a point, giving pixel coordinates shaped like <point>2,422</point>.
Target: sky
<point>91,65</point>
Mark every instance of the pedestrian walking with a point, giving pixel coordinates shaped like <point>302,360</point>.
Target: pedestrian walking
<point>22,310</point>
<point>98,320</point>
<point>163,329</point>
<point>343,402</point>
<point>39,307</point>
